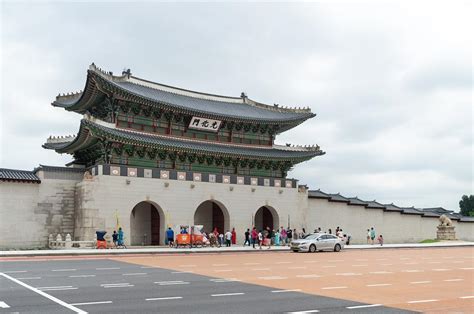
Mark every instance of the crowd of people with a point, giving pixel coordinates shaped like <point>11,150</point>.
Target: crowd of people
<point>371,237</point>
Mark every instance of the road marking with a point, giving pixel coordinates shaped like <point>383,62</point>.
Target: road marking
<point>434,262</point>
<point>362,260</point>
<point>220,264</point>
<point>59,289</point>
<point>54,287</point>
<point>71,269</point>
<point>310,262</point>
<point>272,278</point>
<point>412,263</point>
<point>107,268</point>
<point>28,278</point>
<point>329,266</point>
<point>303,312</point>
<point>15,271</point>
<point>3,305</point>
<point>114,284</point>
<point>331,288</point>
<point>252,263</point>
<point>362,306</point>
<point>288,290</point>
<point>441,269</point>
<point>44,294</point>
<point>404,258</point>
<point>226,294</point>
<point>164,298</point>
<point>81,276</point>
<point>190,265</point>
<point>421,301</point>
<point>467,268</point>
<point>380,272</point>
<point>334,260</point>
<point>222,270</point>
<point>419,282</point>
<point>257,269</point>
<point>224,280</point>
<point>91,303</point>
<point>169,283</point>
<point>412,271</point>
<point>458,262</point>
<point>387,264</point>
<point>449,257</point>
<point>117,285</point>
<point>381,259</point>
<point>283,263</point>
<point>297,267</point>
<point>360,265</point>
<point>348,274</point>
<point>308,276</point>
<point>134,274</point>
<point>379,285</point>
<point>457,279</point>
<point>467,297</point>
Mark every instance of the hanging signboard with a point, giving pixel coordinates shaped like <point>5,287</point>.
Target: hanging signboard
<point>204,124</point>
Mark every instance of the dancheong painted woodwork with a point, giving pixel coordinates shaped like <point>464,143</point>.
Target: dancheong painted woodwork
<point>134,122</point>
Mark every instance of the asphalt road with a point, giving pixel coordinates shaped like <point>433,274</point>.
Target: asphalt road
<point>103,285</point>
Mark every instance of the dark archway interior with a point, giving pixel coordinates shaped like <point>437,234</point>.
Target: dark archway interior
<point>264,218</point>
<point>210,215</point>
<point>145,225</point>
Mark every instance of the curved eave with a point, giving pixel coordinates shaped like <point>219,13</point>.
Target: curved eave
<point>92,94</point>
<point>90,133</point>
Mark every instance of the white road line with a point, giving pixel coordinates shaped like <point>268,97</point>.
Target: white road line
<point>107,268</point>
<point>359,265</point>
<point>58,289</point>
<point>258,269</point>
<point>44,294</point>
<point>379,285</point>
<point>283,263</point>
<point>134,274</point>
<point>331,288</point>
<point>421,301</point>
<point>387,264</point>
<point>190,265</point>
<point>252,263</point>
<point>297,267</point>
<point>334,260</point>
<point>308,276</point>
<point>304,312</point>
<point>170,283</point>
<point>28,278</point>
<point>53,287</point>
<point>449,257</point>
<point>457,279</point>
<point>311,262</point>
<point>63,269</point>
<point>15,271</point>
<point>381,259</point>
<point>404,258</point>
<point>467,268</point>
<point>123,286</point>
<point>3,305</point>
<point>81,276</point>
<point>419,282</point>
<point>272,278</point>
<point>380,272</point>
<point>348,274</point>
<point>222,270</point>
<point>362,306</point>
<point>458,262</point>
<point>441,269</point>
<point>92,303</point>
<point>114,284</point>
<point>412,263</point>
<point>224,280</point>
<point>329,266</point>
<point>412,271</point>
<point>220,264</point>
<point>164,298</point>
<point>434,262</point>
<point>226,294</point>
<point>467,297</point>
<point>288,290</point>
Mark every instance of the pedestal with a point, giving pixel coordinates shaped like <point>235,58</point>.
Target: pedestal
<point>446,233</point>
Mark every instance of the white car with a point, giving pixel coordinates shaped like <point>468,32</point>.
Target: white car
<point>318,242</point>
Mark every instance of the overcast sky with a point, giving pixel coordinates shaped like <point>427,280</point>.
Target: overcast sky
<point>391,84</point>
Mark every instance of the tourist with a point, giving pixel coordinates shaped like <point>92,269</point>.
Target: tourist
<point>269,238</point>
<point>319,230</point>
<point>329,231</point>
<point>277,238</point>
<point>247,237</point>
<point>234,236</point>
<point>372,235</point>
<point>221,239</point>
<point>380,239</point>
<point>120,238</point>
<point>228,238</point>
<point>254,236</point>
<point>289,235</point>
<point>114,238</point>
<point>260,239</point>
<point>283,236</point>
<point>368,236</point>
<point>170,236</point>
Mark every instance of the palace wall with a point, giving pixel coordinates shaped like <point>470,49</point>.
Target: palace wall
<point>394,226</point>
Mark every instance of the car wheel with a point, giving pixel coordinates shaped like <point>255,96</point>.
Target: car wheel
<point>337,248</point>
<point>312,248</point>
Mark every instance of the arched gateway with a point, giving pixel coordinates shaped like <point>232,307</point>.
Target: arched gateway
<point>266,216</point>
<point>212,214</point>
<point>147,224</point>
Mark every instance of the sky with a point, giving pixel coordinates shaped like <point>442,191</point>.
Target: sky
<point>390,82</point>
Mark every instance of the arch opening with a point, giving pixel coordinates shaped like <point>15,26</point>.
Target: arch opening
<point>266,216</point>
<point>147,224</point>
<point>211,215</point>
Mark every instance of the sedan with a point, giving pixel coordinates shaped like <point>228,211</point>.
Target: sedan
<point>317,242</point>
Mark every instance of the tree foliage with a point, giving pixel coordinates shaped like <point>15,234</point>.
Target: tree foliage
<point>466,204</point>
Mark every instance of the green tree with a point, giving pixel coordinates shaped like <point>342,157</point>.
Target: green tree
<point>466,204</point>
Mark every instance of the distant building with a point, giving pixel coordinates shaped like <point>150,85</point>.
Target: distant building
<point>148,156</point>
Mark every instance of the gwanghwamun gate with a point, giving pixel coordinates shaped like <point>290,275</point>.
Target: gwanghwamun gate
<point>148,156</point>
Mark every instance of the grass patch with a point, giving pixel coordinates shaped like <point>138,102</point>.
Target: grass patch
<point>429,241</point>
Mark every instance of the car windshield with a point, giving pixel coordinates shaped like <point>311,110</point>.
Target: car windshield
<point>310,236</point>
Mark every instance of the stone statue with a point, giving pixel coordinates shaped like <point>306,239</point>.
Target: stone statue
<point>445,221</point>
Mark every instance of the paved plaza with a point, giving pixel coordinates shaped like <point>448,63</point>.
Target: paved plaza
<point>379,281</point>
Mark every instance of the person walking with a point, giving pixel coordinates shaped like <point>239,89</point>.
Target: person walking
<point>380,239</point>
<point>170,237</point>
<point>372,235</point>
<point>247,237</point>
<point>260,239</point>
<point>269,237</point>
<point>234,236</point>
<point>289,235</point>
<point>221,239</point>
<point>283,236</point>
<point>368,236</point>
<point>228,238</point>
<point>254,236</point>
<point>120,238</point>
<point>114,238</point>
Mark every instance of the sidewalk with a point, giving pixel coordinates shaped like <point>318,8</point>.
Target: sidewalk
<point>235,248</point>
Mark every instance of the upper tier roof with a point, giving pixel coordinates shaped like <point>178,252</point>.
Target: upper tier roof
<point>188,102</point>
<point>91,131</point>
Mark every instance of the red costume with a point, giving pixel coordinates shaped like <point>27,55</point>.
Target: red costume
<point>234,236</point>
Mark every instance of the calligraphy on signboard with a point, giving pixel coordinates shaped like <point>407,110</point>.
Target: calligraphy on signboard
<point>204,124</point>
